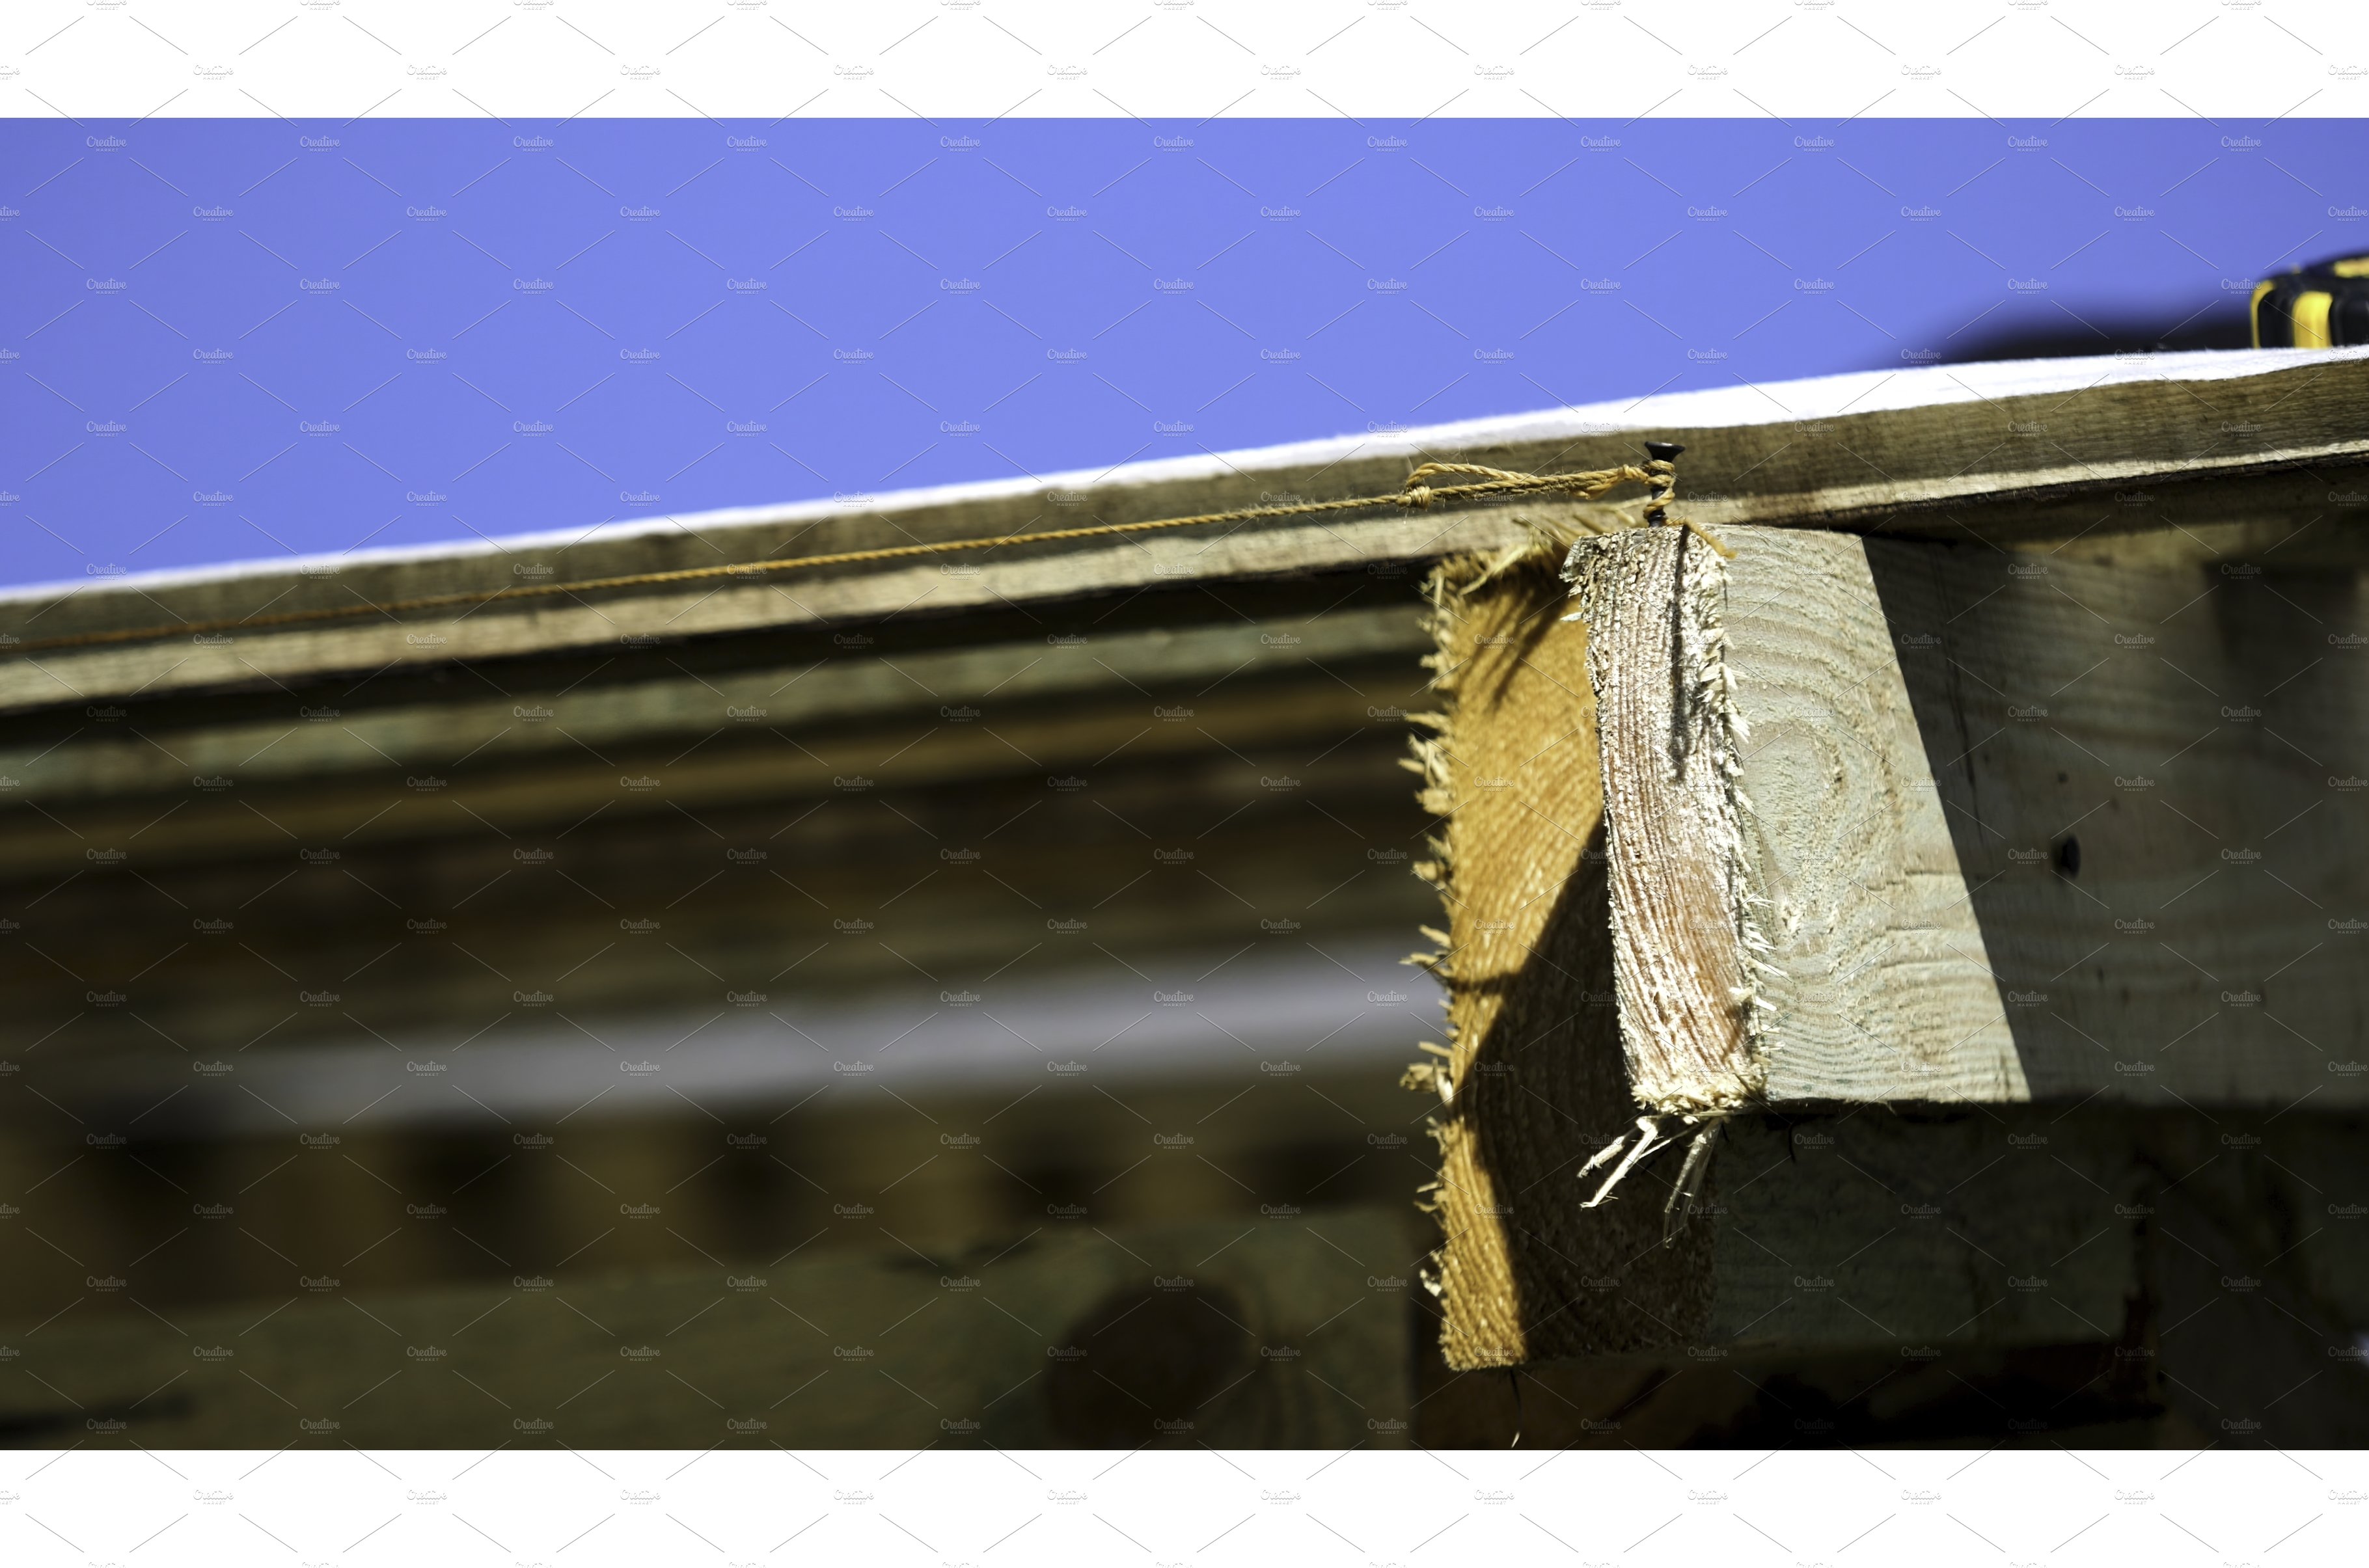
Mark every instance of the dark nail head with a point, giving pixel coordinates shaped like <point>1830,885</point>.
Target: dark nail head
<point>1663,451</point>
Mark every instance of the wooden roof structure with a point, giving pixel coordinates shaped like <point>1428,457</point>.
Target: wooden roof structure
<point>2045,784</point>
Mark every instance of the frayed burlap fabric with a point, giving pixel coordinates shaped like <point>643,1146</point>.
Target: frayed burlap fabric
<point>1533,1081</point>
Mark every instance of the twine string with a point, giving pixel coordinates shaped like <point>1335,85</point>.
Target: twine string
<point>1418,492</point>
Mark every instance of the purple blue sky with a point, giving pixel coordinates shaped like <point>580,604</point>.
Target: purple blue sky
<point>234,339</point>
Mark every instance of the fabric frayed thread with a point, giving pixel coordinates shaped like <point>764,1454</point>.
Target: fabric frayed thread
<point>1651,1139</point>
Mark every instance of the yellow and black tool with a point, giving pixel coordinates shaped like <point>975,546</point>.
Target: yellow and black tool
<point>2322,306</point>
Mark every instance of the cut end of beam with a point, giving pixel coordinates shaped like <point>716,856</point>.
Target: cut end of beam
<point>1687,967</point>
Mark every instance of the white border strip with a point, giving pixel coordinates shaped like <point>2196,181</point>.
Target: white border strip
<point>590,1508</point>
<point>1184,59</point>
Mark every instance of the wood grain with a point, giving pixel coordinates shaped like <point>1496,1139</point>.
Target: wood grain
<point>2155,782</point>
<point>1879,983</point>
<point>2042,464</point>
<point>530,724</point>
<point>2029,826</point>
<point>1535,1081</point>
<point>627,623</point>
<point>1673,831</point>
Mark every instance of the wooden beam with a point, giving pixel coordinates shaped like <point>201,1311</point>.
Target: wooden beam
<point>1801,1236</point>
<point>439,923</point>
<point>2008,826</point>
<point>1952,453</point>
<point>314,765</point>
<point>1018,574</point>
<point>1882,782</point>
<point>2236,1242</point>
<point>529,722</point>
<point>1532,1080</point>
<point>1837,1232</point>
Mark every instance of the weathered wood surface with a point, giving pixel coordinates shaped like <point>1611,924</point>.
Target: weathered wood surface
<point>532,722</point>
<point>1877,965</point>
<point>1213,808</point>
<point>2245,1286</point>
<point>1859,1230</point>
<point>1812,1235</point>
<point>626,622</point>
<point>1959,471</point>
<point>1923,452</point>
<point>2026,826</point>
<point>1668,740</point>
<point>333,765</point>
<point>1274,1332</point>
<point>1836,1233</point>
<point>1533,1080</point>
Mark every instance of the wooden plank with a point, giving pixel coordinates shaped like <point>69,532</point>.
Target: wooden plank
<point>1668,741</point>
<point>1290,1333</point>
<point>1920,452</point>
<point>2251,1354</point>
<point>1535,1082</point>
<point>1877,961</point>
<point>1949,1228</point>
<point>531,722</point>
<point>2024,826</point>
<point>565,790</point>
<point>531,748</point>
<point>2236,1242</point>
<point>1018,574</point>
<point>1837,1232</point>
<point>1166,849</point>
